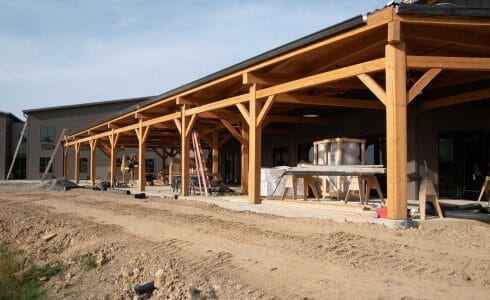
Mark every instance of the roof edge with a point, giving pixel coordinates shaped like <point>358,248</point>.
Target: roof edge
<point>50,108</point>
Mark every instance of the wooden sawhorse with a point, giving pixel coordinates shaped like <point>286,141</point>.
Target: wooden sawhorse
<point>427,190</point>
<point>364,184</point>
<point>292,182</point>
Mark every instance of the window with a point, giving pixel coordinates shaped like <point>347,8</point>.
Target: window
<point>150,165</point>
<point>47,134</point>
<point>83,165</point>
<point>43,163</point>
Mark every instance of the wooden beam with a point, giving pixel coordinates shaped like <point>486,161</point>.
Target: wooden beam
<point>394,32</point>
<point>190,125</point>
<point>396,130</point>
<point>326,77</point>
<point>422,83</point>
<point>265,110</point>
<point>328,101</point>
<point>178,124</point>
<point>244,111</point>
<point>267,79</point>
<point>162,119</point>
<point>373,86</point>
<point>457,99</point>
<point>449,63</point>
<point>232,130</point>
<point>224,140</point>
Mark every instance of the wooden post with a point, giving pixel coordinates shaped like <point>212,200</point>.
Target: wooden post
<point>65,157</point>
<point>245,162</point>
<point>77,163</point>
<point>113,139</point>
<point>142,134</point>
<point>215,168</point>
<point>184,155</point>
<point>396,130</point>
<point>255,148</point>
<point>93,144</point>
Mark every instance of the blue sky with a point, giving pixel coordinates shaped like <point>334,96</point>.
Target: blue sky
<point>67,52</point>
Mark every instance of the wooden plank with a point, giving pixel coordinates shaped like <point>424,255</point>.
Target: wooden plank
<point>265,110</point>
<point>255,148</point>
<point>449,63</point>
<point>457,99</point>
<point>328,101</point>
<point>396,131</point>
<point>422,83</point>
<point>373,86</point>
<point>325,77</point>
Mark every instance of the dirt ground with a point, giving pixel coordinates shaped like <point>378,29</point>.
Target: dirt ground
<point>208,252</point>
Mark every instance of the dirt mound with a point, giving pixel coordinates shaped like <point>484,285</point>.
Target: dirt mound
<point>57,185</point>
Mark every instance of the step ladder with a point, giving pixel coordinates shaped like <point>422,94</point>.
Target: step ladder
<point>58,143</point>
<point>202,170</point>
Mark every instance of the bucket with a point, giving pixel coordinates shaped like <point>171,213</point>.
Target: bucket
<point>382,212</point>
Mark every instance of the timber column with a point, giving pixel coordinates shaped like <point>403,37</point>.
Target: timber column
<point>142,134</point>
<point>215,168</point>
<point>113,139</point>
<point>93,144</point>
<point>245,162</point>
<point>77,163</point>
<point>185,131</point>
<point>255,148</point>
<point>396,124</point>
<point>65,158</point>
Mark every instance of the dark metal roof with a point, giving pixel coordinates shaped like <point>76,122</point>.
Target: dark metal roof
<point>10,116</point>
<point>44,109</point>
<point>306,40</point>
<point>446,8</point>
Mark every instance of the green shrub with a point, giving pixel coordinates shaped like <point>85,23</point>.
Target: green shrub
<point>21,280</point>
<point>88,262</point>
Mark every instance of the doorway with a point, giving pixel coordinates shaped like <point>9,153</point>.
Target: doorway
<point>463,163</point>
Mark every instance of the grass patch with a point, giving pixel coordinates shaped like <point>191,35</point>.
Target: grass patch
<point>21,280</point>
<point>88,262</point>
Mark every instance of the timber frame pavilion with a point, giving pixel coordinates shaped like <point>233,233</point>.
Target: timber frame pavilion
<point>361,63</point>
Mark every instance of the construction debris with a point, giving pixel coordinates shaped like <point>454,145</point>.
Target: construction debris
<point>57,185</point>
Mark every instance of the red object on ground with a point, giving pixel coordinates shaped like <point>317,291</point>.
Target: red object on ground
<point>382,212</point>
